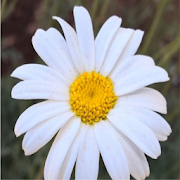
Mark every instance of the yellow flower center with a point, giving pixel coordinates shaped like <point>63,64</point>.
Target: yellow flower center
<point>92,97</point>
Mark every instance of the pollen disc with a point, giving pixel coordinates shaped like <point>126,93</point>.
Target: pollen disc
<point>92,97</point>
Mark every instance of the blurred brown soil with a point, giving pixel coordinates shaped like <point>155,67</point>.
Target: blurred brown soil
<point>17,31</point>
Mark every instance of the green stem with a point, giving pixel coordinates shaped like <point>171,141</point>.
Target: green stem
<point>166,87</point>
<point>55,9</point>
<point>171,170</point>
<point>103,9</point>
<point>156,21</point>
<point>7,10</point>
<point>166,48</point>
<point>94,8</point>
<point>40,173</point>
<point>169,54</point>
<point>79,2</point>
<point>173,115</point>
<point>2,9</point>
<point>45,6</point>
<point>102,13</point>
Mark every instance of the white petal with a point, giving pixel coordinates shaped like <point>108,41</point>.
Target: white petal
<point>42,133</point>
<point>85,37</point>
<point>57,38</point>
<point>53,55</point>
<point>135,130</point>
<point>130,48</point>
<point>131,64</point>
<point>161,137</point>
<point>38,113</point>
<point>111,151</point>
<point>72,43</point>
<point>139,79</point>
<point>87,164</point>
<point>69,161</point>
<point>115,49</point>
<point>104,38</point>
<point>38,72</point>
<point>151,119</point>
<point>133,43</point>
<point>60,147</point>
<point>39,89</point>
<point>147,98</point>
<point>136,159</point>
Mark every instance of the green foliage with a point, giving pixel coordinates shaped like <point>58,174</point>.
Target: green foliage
<point>158,18</point>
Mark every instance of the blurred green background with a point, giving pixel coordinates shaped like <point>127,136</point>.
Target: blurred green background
<point>20,19</point>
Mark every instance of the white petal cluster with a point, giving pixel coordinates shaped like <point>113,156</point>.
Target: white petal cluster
<point>133,127</point>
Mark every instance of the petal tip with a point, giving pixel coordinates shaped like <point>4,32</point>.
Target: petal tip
<point>16,132</point>
<point>55,17</point>
<point>26,153</point>
<point>141,31</point>
<point>38,32</point>
<point>12,93</point>
<point>13,74</point>
<point>25,149</point>
<point>170,130</point>
<point>80,8</point>
<point>116,17</point>
<point>139,34</point>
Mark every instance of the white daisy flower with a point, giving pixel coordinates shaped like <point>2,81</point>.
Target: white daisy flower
<point>96,101</point>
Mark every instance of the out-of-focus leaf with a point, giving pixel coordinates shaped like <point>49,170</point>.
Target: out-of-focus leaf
<point>6,10</point>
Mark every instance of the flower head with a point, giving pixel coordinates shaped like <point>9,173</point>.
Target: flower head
<point>96,101</point>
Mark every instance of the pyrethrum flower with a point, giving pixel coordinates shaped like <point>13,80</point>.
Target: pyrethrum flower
<point>96,101</point>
